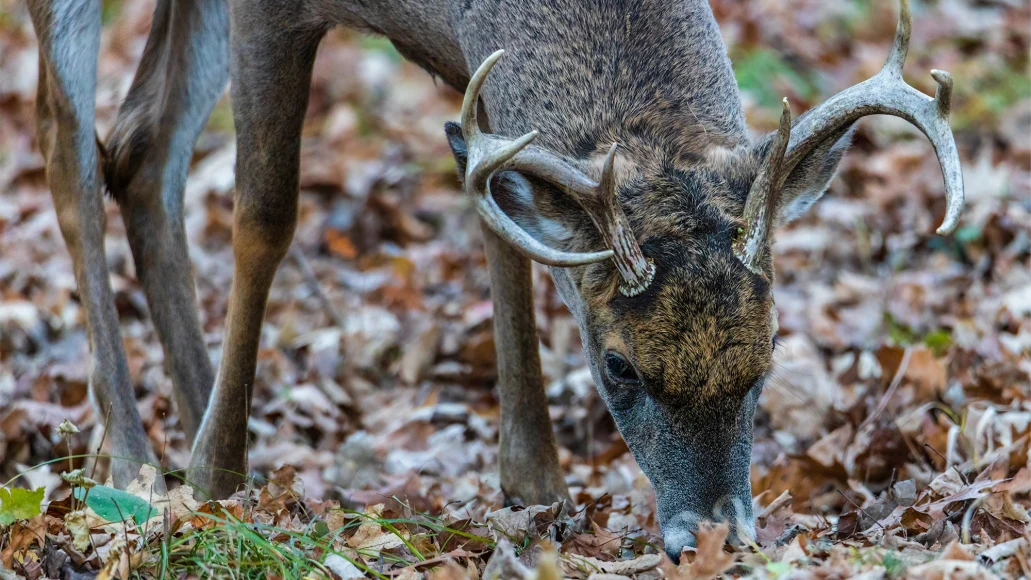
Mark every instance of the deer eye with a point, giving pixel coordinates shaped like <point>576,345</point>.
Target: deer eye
<point>619,369</point>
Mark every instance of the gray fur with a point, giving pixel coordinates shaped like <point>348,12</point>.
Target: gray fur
<point>652,75</point>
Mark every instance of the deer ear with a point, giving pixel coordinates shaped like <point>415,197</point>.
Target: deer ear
<point>536,207</point>
<point>810,178</point>
<point>458,147</point>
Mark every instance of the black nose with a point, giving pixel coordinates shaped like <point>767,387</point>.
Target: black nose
<point>674,553</point>
<point>678,538</point>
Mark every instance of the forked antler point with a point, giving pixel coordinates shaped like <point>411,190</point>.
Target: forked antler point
<point>887,93</point>
<point>488,154</point>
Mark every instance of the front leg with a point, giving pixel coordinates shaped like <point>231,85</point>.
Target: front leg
<point>272,53</point>
<point>530,472</point>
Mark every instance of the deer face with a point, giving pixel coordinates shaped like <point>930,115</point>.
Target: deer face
<point>680,360</point>
<point>680,357</point>
<point>681,365</point>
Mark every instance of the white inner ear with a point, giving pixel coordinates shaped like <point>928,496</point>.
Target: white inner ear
<point>519,203</point>
<point>798,206</point>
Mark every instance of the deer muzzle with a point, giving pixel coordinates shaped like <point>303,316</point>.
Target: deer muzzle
<point>697,459</point>
<point>682,530</point>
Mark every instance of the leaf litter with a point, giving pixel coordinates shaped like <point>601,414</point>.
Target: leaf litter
<point>892,440</point>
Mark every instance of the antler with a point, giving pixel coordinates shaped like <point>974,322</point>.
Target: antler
<point>761,204</point>
<point>490,153</point>
<point>887,93</point>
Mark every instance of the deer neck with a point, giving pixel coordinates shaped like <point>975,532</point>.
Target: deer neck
<point>651,75</point>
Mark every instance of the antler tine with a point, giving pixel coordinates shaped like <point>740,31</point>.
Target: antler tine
<point>599,202</point>
<point>886,93</point>
<point>943,95</point>
<point>900,48</point>
<point>487,154</point>
<point>761,204</point>
<point>471,99</point>
<point>636,271</point>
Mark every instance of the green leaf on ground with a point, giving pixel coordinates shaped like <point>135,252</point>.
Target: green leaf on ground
<point>19,504</point>
<point>778,569</point>
<point>115,505</point>
<point>938,341</point>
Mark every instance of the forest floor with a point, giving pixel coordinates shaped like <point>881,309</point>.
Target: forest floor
<point>892,440</point>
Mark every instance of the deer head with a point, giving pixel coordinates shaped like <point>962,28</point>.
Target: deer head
<point>667,268</point>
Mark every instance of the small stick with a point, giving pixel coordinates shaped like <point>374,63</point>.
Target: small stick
<point>313,285</point>
<point>125,529</point>
<point>103,437</point>
<point>895,381</point>
<point>861,510</point>
<point>781,501</point>
<point>157,473</point>
<point>958,472</point>
<point>968,516</point>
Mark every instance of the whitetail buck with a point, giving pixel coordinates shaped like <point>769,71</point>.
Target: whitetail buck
<point>643,190</point>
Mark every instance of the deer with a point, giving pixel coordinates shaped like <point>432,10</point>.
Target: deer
<point>605,140</point>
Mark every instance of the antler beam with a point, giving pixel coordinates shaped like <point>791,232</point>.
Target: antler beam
<point>490,153</point>
<point>886,93</point>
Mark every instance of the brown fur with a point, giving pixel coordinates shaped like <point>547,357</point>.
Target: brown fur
<point>703,332</point>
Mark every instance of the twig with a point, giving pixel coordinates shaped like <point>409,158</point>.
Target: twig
<point>781,501</point>
<point>103,437</point>
<point>157,473</point>
<point>166,530</point>
<point>125,529</point>
<point>895,381</point>
<point>450,556</point>
<point>313,285</point>
<point>862,511</point>
<point>968,516</point>
<point>962,477</point>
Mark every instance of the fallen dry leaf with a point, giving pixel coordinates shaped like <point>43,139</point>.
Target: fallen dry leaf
<point>707,560</point>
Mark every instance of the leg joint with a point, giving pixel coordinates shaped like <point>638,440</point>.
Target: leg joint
<point>264,233</point>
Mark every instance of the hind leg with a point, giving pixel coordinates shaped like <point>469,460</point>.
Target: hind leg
<point>180,78</point>
<point>69,38</point>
